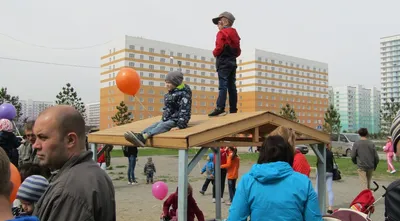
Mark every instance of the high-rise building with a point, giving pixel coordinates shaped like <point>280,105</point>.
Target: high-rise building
<point>390,68</point>
<point>358,107</point>
<point>265,80</point>
<point>93,114</point>
<point>31,109</point>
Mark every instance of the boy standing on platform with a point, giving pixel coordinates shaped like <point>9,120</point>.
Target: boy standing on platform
<point>227,49</point>
<point>176,114</point>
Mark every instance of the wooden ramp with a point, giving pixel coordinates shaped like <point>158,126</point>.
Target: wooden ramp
<point>203,131</point>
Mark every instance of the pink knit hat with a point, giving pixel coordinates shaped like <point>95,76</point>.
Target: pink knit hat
<point>6,125</point>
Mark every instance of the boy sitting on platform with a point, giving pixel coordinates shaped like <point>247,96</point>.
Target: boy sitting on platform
<point>176,114</point>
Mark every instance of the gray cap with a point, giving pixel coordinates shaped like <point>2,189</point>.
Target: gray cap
<point>174,77</point>
<point>227,15</point>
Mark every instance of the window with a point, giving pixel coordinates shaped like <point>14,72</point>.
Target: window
<point>151,50</point>
<point>132,47</point>
<point>131,55</point>
<point>131,64</point>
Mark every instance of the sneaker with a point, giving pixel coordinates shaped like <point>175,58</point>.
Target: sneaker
<point>129,183</point>
<point>135,138</point>
<point>393,171</point>
<point>329,211</point>
<point>202,192</point>
<point>213,200</point>
<point>228,203</point>
<point>134,182</point>
<point>217,112</point>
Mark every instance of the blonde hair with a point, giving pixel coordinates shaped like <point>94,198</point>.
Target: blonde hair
<point>288,135</point>
<point>226,21</point>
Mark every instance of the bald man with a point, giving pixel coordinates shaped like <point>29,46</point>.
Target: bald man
<point>80,189</point>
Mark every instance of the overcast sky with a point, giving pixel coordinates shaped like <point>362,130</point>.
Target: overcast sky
<point>345,34</point>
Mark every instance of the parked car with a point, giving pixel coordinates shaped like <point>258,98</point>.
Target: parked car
<point>303,148</point>
<point>343,143</point>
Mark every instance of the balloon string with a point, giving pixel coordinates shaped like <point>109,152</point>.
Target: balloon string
<point>147,111</point>
<point>16,128</point>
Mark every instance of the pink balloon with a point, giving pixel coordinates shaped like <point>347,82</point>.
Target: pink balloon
<point>160,190</point>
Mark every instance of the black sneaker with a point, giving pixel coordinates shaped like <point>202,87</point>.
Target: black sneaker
<point>136,139</point>
<point>216,112</point>
<point>329,211</point>
<point>202,192</point>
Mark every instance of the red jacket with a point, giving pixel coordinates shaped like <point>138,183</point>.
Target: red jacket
<point>227,37</point>
<point>223,156</point>
<point>192,208</point>
<point>101,158</point>
<point>300,164</point>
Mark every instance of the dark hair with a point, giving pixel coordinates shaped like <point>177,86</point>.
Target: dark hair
<point>234,152</point>
<point>363,132</point>
<point>29,169</point>
<point>275,148</point>
<point>5,174</point>
<point>29,125</point>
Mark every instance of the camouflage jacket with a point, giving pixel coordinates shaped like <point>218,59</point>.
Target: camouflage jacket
<point>178,105</point>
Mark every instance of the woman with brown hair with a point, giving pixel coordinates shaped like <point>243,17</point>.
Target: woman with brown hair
<point>300,163</point>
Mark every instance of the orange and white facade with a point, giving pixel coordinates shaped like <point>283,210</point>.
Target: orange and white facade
<point>265,80</point>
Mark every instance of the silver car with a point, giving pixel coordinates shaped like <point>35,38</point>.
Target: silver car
<point>343,143</point>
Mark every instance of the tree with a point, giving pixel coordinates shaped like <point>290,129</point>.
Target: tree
<point>122,116</point>
<point>332,120</point>
<point>388,113</point>
<point>14,100</point>
<point>288,112</point>
<point>69,96</point>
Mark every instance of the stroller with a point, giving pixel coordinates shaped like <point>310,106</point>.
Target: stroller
<point>360,209</point>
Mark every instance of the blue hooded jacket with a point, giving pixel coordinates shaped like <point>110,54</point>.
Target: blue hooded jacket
<point>25,218</point>
<point>209,167</point>
<point>274,192</point>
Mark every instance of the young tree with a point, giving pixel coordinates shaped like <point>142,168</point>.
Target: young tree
<point>122,116</point>
<point>14,100</point>
<point>288,112</point>
<point>332,120</point>
<point>387,114</point>
<point>69,96</point>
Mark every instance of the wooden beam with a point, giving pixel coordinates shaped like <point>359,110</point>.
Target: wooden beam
<point>256,134</point>
<point>232,144</point>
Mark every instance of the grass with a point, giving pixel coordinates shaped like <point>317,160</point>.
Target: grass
<point>346,166</point>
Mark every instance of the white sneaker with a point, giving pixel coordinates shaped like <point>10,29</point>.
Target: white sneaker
<point>393,171</point>
<point>222,200</point>
<point>129,183</point>
<point>213,200</point>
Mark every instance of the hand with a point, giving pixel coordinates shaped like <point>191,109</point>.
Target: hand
<point>175,128</point>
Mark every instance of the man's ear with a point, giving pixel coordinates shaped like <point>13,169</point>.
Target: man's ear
<point>72,139</point>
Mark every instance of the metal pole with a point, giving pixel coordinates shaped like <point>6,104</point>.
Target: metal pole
<point>217,183</point>
<point>94,151</point>
<point>183,184</point>
<point>321,170</point>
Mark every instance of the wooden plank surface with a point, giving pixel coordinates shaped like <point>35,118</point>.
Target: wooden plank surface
<point>205,130</point>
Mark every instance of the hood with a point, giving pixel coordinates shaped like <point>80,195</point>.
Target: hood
<point>270,172</point>
<point>182,87</point>
<point>232,33</point>
<point>211,156</point>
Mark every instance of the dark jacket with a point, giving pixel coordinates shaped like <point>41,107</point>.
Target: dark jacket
<point>80,190</point>
<point>364,155</point>
<point>193,209</point>
<point>227,48</point>
<point>178,106</point>
<point>329,161</point>
<point>10,143</point>
<point>130,151</point>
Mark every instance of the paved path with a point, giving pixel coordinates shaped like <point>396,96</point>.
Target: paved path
<point>137,203</point>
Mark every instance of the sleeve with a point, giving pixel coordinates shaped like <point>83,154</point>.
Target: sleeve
<point>228,163</point>
<point>240,208</point>
<point>66,208</point>
<point>204,169</point>
<point>185,106</point>
<point>376,158</point>
<point>354,154</point>
<point>154,167</point>
<point>167,204</point>
<point>145,168</point>
<point>219,44</point>
<point>312,211</point>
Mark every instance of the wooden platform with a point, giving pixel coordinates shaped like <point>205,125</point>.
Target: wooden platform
<point>213,132</point>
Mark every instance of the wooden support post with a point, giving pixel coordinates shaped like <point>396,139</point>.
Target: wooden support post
<point>256,134</point>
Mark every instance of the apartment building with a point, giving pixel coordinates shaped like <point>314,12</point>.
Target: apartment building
<point>390,68</point>
<point>93,114</point>
<point>31,109</point>
<point>265,80</point>
<point>358,107</point>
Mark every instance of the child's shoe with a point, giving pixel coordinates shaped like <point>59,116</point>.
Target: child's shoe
<point>136,139</point>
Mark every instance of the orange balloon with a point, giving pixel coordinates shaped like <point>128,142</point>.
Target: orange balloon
<point>15,180</point>
<point>128,81</point>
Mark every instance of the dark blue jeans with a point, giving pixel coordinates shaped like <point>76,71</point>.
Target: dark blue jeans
<point>232,188</point>
<point>227,84</point>
<point>131,169</point>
